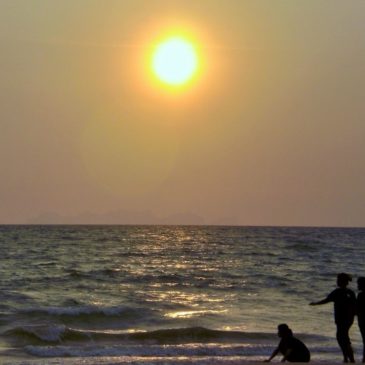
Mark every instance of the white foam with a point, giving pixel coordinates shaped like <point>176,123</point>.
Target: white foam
<point>46,333</point>
<point>188,350</point>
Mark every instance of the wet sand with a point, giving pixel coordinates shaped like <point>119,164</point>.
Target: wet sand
<point>143,361</point>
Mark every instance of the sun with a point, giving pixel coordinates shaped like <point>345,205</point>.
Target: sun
<point>175,61</point>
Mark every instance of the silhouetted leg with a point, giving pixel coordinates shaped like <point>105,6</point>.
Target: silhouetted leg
<point>362,330</point>
<point>344,342</point>
<point>339,337</point>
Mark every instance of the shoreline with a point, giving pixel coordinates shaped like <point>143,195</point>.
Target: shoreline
<point>131,360</point>
<point>95,361</point>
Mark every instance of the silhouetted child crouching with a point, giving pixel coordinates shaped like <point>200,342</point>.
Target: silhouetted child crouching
<point>293,350</point>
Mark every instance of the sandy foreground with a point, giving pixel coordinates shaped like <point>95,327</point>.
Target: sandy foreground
<point>143,361</point>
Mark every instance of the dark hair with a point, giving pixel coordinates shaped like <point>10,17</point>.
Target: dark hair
<point>284,329</point>
<point>344,277</point>
<point>361,282</point>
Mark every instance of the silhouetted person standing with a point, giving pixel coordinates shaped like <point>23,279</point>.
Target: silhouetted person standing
<point>292,349</point>
<point>361,311</point>
<point>344,300</point>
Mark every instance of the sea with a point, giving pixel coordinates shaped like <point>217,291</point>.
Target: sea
<point>170,294</point>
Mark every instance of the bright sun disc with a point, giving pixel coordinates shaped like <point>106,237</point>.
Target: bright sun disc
<point>175,61</point>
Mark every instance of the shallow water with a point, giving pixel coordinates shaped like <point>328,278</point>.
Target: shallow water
<point>158,293</point>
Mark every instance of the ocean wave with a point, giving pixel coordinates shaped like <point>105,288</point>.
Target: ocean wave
<point>84,310</point>
<point>305,246</point>
<point>69,238</point>
<point>45,334</point>
<point>197,350</point>
<point>197,334</point>
<point>12,295</point>
<point>94,274</point>
<point>36,333</point>
<point>119,275</point>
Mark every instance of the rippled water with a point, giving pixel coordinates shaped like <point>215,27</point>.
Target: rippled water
<point>166,292</point>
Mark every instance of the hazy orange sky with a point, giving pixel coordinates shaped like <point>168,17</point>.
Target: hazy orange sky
<point>272,131</point>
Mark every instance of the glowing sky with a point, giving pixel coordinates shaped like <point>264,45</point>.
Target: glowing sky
<point>271,132</point>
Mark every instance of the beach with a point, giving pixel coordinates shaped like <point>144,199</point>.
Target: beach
<point>182,182</point>
<point>169,294</point>
<point>142,361</point>
<point>156,361</point>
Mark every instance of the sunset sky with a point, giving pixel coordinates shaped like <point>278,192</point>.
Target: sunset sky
<point>270,131</point>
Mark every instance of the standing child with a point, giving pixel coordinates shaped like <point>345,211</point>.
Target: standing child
<point>361,311</point>
<point>344,300</point>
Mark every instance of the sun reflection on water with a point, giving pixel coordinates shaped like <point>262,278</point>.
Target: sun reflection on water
<point>190,314</point>
<point>182,298</point>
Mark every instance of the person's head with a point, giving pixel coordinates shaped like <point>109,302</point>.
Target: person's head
<point>284,331</point>
<point>361,283</point>
<point>343,280</point>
